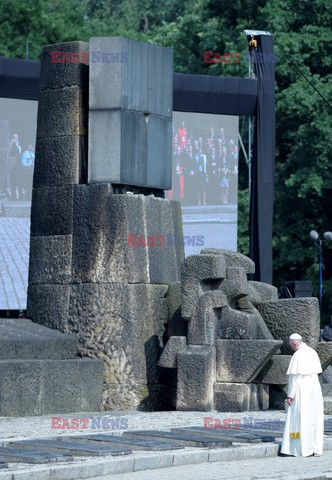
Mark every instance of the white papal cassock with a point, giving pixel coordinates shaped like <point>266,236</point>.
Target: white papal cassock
<point>304,427</point>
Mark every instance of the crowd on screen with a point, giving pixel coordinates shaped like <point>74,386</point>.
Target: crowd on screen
<point>17,174</point>
<point>205,168</point>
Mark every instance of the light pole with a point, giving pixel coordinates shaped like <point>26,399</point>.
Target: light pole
<point>319,244</point>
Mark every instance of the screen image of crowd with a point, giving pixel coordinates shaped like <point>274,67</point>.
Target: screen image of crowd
<point>205,164</point>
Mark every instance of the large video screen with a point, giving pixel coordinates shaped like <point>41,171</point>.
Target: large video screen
<point>205,179</point>
<point>18,120</point>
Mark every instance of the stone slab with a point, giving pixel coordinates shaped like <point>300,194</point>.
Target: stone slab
<point>287,316</point>
<point>130,148</point>
<point>73,448</point>
<point>60,161</point>
<point>186,439</point>
<point>50,259</point>
<point>324,350</point>
<point>260,292</point>
<point>275,371</point>
<point>196,377</point>
<point>35,387</point>
<point>64,65</point>
<point>23,339</point>
<point>174,345</point>
<point>242,325</point>
<point>52,211</point>
<point>240,361</point>
<point>130,75</point>
<point>231,436</point>
<point>240,397</point>
<point>62,112</point>
<point>48,305</point>
<point>134,444</point>
<point>36,456</point>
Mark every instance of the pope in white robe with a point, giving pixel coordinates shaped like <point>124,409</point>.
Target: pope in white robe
<point>304,427</point>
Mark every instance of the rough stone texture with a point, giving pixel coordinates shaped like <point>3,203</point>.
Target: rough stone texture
<point>240,361</point>
<point>125,148</point>
<point>243,325</point>
<point>62,112</point>
<point>278,395</point>
<point>199,273</point>
<point>196,377</point>
<point>204,321</point>
<point>124,397</point>
<point>275,371</point>
<point>324,350</point>
<point>287,316</point>
<point>232,259</point>
<point>57,74</point>
<point>50,259</point>
<point>139,78</point>
<point>261,292</point>
<point>327,374</point>
<point>177,326</point>
<point>101,248</point>
<point>240,397</point>
<point>123,325</point>
<point>163,218</point>
<point>235,285</point>
<point>52,212</point>
<point>174,345</point>
<point>23,339</point>
<point>36,387</point>
<point>48,305</point>
<point>60,161</point>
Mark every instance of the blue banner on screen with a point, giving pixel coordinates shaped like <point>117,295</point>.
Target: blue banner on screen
<point>205,179</point>
<point>18,119</point>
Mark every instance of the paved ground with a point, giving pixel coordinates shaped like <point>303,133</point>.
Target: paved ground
<point>282,468</point>
<point>259,460</point>
<point>14,262</point>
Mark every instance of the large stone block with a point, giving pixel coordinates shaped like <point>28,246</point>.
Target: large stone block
<point>52,211</point>
<point>275,371</point>
<point>232,259</point>
<point>23,339</point>
<point>177,326</point>
<point>240,397</point>
<point>203,324</point>
<point>64,65</point>
<point>126,397</point>
<point>123,325</point>
<point>324,350</point>
<point>60,161</point>
<point>102,247</point>
<point>62,112</point>
<point>130,148</point>
<point>245,325</point>
<point>127,74</point>
<point>161,220</point>
<point>48,305</point>
<point>292,315</point>
<point>36,387</point>
<point>199,273</point>
<point>261,292</point>
<point>168,358</point>
<point>240,361</point>
<point>50,260</point>
<point>196,377</point>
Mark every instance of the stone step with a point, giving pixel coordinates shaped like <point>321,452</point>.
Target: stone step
<point>39,387</point>
<point>187,439</point>
<point>328,405</point>
<point>77,449</point>
<point>23,339</point>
